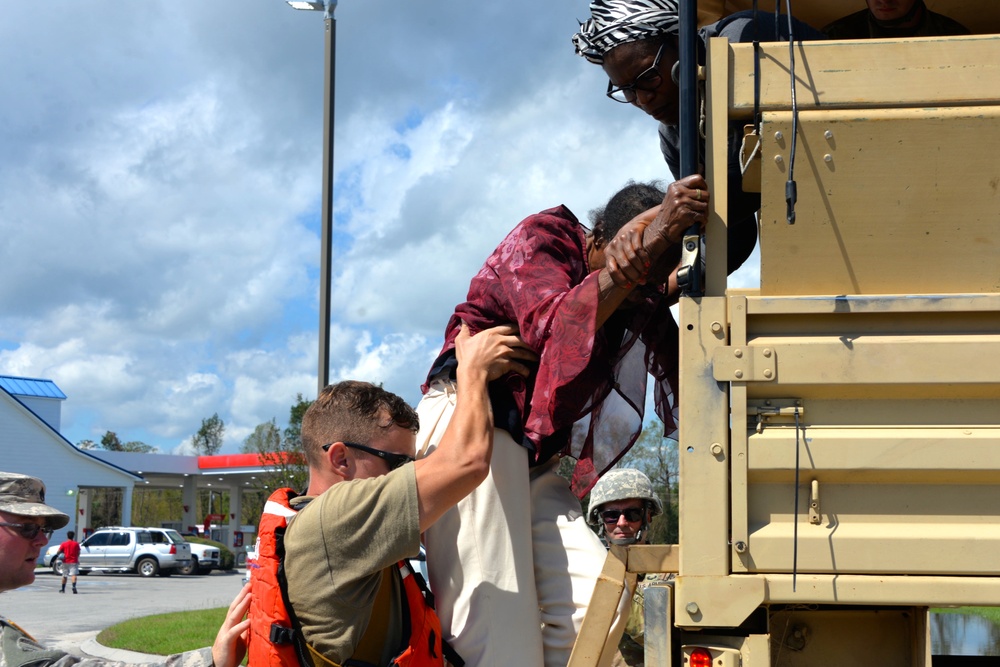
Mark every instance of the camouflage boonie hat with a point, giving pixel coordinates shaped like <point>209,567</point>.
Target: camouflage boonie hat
<point>622,484</point>
<point>25,496</point>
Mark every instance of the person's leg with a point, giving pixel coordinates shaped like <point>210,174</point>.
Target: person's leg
<point>568,559</point>
<point>479,558</point>
<point>63,589</point>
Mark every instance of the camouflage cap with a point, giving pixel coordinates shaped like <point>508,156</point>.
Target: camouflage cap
<point>25,496</point>
<point>622,484</point>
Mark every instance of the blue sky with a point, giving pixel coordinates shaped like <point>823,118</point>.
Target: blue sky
<point>160,192</point>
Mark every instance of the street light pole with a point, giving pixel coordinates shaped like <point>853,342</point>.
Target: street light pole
<point>326,252</point>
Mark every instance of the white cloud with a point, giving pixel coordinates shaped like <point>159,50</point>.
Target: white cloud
<point>160,192</point>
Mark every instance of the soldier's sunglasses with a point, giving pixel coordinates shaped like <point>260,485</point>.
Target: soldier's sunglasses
<point>392,459</point>
<point>28,531</point>
<point>632,514</point>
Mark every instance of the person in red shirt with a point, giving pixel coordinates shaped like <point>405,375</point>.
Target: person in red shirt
<point>70,550</point>
<point>513,566</point>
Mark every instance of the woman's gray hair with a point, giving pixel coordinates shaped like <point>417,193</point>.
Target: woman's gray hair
<point>616,22</point>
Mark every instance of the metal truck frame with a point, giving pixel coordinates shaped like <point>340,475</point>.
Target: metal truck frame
<point>840,426</point>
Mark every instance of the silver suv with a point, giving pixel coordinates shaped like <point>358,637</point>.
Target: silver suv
<point>148,551</point>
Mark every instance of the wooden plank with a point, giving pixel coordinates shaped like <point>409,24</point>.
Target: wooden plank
<point>596,643</point>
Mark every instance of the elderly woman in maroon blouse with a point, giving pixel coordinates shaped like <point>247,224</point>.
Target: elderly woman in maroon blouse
<point>514,565</point>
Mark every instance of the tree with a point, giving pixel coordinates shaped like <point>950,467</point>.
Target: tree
<point>138,446</point>
<point>154,507</point>
<point>293,433</point>
<point>265,438</point>
<point>656,456</point>
<point>111,442</point>
<point>106,507</point>
<point>281,455</point>
<point>208,440</point>
<point>86,444</point>
<point>292,468</point>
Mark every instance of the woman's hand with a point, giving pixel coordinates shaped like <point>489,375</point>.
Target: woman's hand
<point>685,204</point>
<point>642,242</point>
<point>625,257</point>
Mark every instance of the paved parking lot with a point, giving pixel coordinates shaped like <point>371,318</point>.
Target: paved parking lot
<point>66,621</point>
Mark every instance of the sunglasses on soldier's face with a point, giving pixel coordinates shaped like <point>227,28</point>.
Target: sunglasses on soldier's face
<point>632,514</point>
<point>28,531</point>
<point>392,459</point>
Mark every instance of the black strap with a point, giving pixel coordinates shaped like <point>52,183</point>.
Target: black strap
<point>295,632</point>
<point>451,655</point>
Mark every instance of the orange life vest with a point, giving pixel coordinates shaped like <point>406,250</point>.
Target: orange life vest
<point>275,638</point>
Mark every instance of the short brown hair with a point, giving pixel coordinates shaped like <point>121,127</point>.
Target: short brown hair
<point>352,411</point>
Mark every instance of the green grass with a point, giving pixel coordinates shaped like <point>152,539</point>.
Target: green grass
<point>165,634</point>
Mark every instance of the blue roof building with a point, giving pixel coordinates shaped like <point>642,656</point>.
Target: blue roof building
<point>42,397</point>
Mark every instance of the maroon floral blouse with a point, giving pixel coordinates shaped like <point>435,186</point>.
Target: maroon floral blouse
<point>587,396</point>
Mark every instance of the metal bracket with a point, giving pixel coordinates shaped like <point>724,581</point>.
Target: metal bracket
<point>744,364</point>
<point>773,411</point>
<point>689,275</point>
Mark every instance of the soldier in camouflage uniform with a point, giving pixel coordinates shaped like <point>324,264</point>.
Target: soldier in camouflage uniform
<point>26,523</point>
<point>622,505</point>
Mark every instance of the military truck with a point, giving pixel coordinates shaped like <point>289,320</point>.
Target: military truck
<point>839,426</point>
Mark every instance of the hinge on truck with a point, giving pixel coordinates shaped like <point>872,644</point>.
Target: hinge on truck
<point>744,363</point>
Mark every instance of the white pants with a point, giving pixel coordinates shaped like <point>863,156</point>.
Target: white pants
<point>514,564</point>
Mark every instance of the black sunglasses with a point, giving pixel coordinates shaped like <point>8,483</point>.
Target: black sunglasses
<point>29,531</point>
<point>393,460</point>
<point>648,81</point>
<point>632,514</point>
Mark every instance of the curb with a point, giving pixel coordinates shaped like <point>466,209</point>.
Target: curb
<point>93,648</point>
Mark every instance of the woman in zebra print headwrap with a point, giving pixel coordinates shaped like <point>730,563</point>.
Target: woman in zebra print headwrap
<point>635,41</point>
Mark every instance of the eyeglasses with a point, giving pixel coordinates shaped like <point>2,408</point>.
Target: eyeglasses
<point>393,460</point>
<point>632,514</point>
<point>29,531</point>
<point>648,81</point>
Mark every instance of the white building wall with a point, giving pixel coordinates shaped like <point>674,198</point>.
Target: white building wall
<point>49,409</point>
<point>28,446</point>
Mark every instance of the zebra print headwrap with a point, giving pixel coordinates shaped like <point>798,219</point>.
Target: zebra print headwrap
<point>616,22</point>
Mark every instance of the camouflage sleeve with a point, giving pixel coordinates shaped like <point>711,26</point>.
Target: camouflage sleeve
<point>635,628</point>
<point>17,649</point>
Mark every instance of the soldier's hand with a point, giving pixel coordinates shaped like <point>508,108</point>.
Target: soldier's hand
<point>495,352</point>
